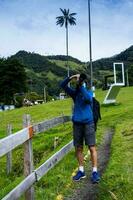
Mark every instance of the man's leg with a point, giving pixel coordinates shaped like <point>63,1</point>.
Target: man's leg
<point>78,143</point>
<point>93,153</point>
<point>95,176</point>
<point>90,140</point>
<point>79,154</point>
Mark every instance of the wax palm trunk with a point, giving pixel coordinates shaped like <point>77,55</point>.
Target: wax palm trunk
<point>66,19</point>
<point>68,69</point>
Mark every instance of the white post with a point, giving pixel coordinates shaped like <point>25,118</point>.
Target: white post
<point>28,159</point>
<point>9,154</point>
<point>114,73</point>
<point>44,95</point>
<point>93,90</point>
<point>123,77</point>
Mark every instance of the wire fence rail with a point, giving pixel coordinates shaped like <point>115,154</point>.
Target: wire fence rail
<point>24,137</point>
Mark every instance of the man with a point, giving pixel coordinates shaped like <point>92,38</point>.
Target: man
<point>83,124</point>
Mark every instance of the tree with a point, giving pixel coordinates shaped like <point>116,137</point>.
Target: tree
<point>13,80</point>
<point>130,74</point>
<point>66,19</point>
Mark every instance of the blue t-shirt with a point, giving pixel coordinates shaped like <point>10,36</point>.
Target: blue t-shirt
<point>82,112</point>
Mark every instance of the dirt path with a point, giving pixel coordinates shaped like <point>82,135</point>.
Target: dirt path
<point>86,190</point>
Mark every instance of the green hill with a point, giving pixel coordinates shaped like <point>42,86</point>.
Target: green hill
<point>47,71</point>
<point>64,58</point>
<point>104,65</point>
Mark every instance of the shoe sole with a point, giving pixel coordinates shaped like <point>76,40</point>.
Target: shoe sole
<point>94,182</point>
<point>79,179</point>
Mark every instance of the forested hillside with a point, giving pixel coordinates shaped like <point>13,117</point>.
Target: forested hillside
<point>48,71</point>
<point>104,66</point>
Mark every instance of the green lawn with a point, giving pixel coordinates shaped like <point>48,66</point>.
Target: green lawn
<point>116,181</point>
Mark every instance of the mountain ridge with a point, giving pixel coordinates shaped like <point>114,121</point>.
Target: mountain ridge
<point>50,70</point>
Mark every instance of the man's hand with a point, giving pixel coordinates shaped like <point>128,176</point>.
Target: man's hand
<point>76,76</point>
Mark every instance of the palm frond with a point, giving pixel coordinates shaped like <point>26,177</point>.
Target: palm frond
<point>72,22</point>
<point>73,18</point>
<point>63,11</point>
<point>68,11</point>
<point>72,14</point>
<point>59,17</point>
<point>66,19</point>
<point>60,20</point>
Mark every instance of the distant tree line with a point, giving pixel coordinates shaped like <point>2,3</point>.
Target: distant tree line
<point>64,58</point>
<point>42,72</point>
<point>12,81</point>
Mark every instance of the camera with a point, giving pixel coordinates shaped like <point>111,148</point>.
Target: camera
<point>82,77</point>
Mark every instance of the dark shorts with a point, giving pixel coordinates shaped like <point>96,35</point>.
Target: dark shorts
<point>84,132</point>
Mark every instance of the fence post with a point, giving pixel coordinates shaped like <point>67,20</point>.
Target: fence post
<point>9,154</point>
<point>28,159</point>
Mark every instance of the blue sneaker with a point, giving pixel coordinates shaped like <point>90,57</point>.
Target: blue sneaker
<point>79,176</point>
<point>95,178</point>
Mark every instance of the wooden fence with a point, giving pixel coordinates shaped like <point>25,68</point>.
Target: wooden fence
<point>24,136</point>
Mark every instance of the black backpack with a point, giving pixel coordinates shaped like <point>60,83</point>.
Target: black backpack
<point>96,111</point>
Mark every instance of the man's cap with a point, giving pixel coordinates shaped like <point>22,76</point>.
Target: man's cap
<point>83,77</point>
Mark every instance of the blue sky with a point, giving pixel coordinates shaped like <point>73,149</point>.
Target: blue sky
<point>31,25</point>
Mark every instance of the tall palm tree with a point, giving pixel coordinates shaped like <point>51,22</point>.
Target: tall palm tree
<point>66,19</point>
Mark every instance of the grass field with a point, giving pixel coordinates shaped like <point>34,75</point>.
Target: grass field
<point>116,182</point>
